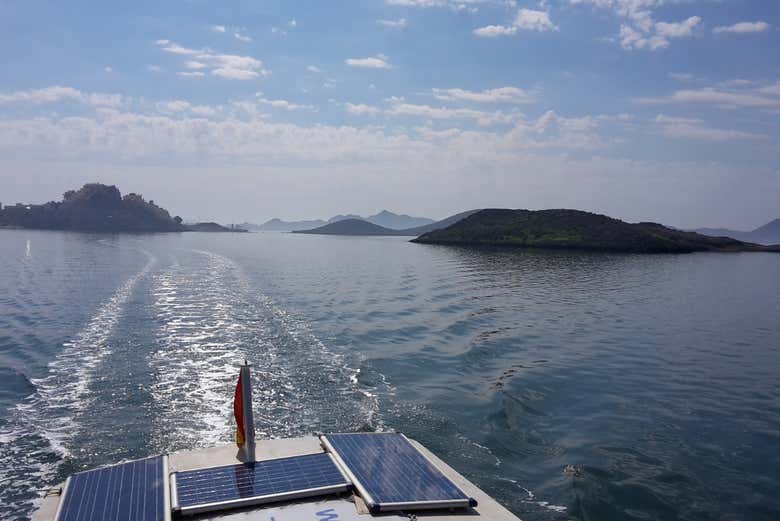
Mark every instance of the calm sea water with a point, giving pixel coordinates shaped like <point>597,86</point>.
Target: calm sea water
<point>567,385</point>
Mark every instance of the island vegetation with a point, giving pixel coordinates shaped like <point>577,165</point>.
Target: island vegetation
<point>574,229</point>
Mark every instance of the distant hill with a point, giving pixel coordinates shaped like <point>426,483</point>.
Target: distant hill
<point>213,227</point>
<point>337,218</point>
<point>350,227</point>
<point>398,222</point>
<point>252,227</point>
<point>384,218</point>
<point>94,207</point>
<point>574,229</point>
<point>278,225</point>
<point>438,225</point>
<point>766,234</point>
<point>383,230</point>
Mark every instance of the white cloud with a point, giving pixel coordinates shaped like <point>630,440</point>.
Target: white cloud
<point>720,97</point>
<point>682,76</point>
<point>525,20</point>
<point>493,31</point>
<point>361,109</point>
<point>426,111</point>
<point>234,74</point>
<point>399,107</point>
<point>228,66</point>
<point>377,62</point>
<point>109,69</point>
<point>59,94</point>
<point>640,31</point>
<point>312,68</point>
<point>470,6</point>
<point>182,107</point>
<point>679,29</point>
<point>218,28</point>
<point>772,90</point>
<point>174,106</point>
<point>531,20</point>
<point>499,95</point>
<point>194,74</point>
<point>292,23</point>
<point>393,24</point>
<point>696,129</point>
<point>175,48</point>
<point>242,37</point>
<point>630,38</point>
<point>283,104</point>
<point>742,28</point>
<point>180,131</point>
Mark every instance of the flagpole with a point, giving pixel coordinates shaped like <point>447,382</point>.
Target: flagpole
<point>249,421</point>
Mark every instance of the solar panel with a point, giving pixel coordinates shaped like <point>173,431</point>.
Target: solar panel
<point>268,481</point>
<point>391,474</point>
<point>134,491</point>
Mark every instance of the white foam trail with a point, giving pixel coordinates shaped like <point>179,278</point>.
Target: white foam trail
<point>40,429</point>
<point>199,339</point>
<point>531,498</point>
<point>211,320</point>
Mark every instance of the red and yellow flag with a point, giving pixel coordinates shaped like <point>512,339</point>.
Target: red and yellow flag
<point>238,412</point>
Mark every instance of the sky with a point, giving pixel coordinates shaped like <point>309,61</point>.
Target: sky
<point>646,110</point>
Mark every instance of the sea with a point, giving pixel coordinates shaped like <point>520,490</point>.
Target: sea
<point>567,385</point>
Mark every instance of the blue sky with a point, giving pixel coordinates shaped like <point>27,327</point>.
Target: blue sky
<point>664,110</point>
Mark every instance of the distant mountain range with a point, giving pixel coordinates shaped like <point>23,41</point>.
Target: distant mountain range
<point>766,234</point>
<point>577,230</point>
<point>384,218</point>
<point>364,227</point>
<point>395,221</point>
<point>278,225</point>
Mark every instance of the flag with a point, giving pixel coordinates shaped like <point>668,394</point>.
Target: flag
<point>238,411</point>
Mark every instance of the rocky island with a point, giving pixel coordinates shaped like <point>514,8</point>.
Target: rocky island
<point>575,229</point>
<point>99,208</point>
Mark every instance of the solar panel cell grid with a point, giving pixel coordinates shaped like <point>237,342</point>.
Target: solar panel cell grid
<point>199,490</point>
<point>392,474</point>
<point>133,491</point>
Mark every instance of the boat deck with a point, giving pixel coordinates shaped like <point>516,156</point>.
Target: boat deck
<point>342,507</point>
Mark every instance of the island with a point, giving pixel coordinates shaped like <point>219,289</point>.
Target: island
<point>577,230</point>
<point>213,227</point>
<point>350,227</point>
<point>97,207</point>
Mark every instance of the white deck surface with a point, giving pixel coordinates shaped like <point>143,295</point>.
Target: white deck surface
<point>345,509</point>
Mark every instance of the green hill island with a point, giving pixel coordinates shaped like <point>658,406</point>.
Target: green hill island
<point>577,230</point>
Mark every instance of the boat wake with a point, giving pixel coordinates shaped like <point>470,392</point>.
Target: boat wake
<point>211,319</point>
<point>39,431</point>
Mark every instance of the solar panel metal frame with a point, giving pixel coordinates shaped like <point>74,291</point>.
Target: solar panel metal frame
<point>377,506</point>
<point>165,486</point>
<point>258,500</point>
